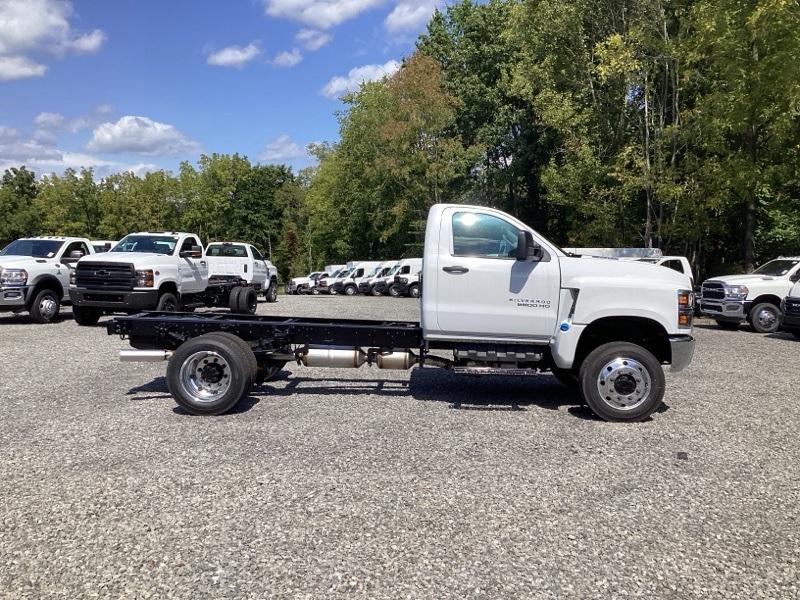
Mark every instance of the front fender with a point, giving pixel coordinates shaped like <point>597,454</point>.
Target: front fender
<point>621,299</point>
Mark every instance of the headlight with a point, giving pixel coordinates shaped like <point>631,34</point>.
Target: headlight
<point>72,277</point>
<point>736,292</point>
<point>13,276</point>
<point>144,278</point>
<point>685,309</point>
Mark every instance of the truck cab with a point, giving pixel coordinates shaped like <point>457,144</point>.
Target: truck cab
<point>244,261</point>
<point>405,281</point>
<point>35,274</point>
<point>754,298</point>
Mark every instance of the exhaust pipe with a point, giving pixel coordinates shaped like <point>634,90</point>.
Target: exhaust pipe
<point>144,355</point>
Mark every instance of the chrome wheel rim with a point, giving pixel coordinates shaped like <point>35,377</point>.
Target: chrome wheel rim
<point>48,307</point>
<point>767,318</point>
<point>205,376</point>
<point>624,383</point>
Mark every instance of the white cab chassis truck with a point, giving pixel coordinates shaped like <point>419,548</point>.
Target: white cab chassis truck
<point>165,271</point>
<point>500,298</point>
<point>35,272</point>
<point>243,261</point>
<point>755,298</point>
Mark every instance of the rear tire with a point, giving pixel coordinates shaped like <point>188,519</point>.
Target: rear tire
<point>729,325</point>
<point>86,316</point>
<point>167,302</point>
<point>208,375</point>
<point>246,301</point>
<point>765,317</point>
<point>233,299</point>
<point>622,382</point>
<point>45,307</point>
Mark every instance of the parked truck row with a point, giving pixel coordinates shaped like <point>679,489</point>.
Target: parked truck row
<point>371,278</point>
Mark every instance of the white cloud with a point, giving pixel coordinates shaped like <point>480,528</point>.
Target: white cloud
<point>410,15</point>
<point>8,134</point>
<point>280,149</point>
<point>322,14</point>
<point>341,84</point>
<point>48,124</point>
<point>234,56</point>
<point>313,39</point>
<point>38,26</point>
<point>287,59</point>
<point>27,151</point>
<point>140,135</point>
<point>19,67</point>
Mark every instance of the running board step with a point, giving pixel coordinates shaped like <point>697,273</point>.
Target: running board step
<point>495,371</point>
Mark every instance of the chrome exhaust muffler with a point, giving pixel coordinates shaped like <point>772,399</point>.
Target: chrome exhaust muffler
<point>339,357</point>
<point>145,355</point>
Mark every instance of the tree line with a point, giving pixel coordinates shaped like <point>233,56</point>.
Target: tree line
<point>671,124</point>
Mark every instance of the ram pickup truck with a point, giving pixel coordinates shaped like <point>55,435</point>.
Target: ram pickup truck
<point>165,271</point>
<point>499,298</point>
<point>237,259</point>
<point>755,298</point>
<point>790,307</point>
<point>34,274</point>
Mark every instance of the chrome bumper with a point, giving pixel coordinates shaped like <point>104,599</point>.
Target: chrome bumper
<point>734,310</point>
<point>682,347</point>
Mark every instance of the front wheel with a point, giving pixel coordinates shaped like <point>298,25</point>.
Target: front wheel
<point>375,291</point>
<point>622,382</point>
<point>351,290</point>
<point>765,318</point>
<point>86,316</point>
<point>45,307</point>
<point>272,292</point>
<point>314,292</point>
<point>413,290</point>
<point>167,302</point>
<point>394,292</point>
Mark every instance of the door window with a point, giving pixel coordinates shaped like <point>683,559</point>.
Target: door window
<point>188,244</point>
<point>482,235</point>
<point>673,264</point>
<point>79,246</point>
<point>256,254</point>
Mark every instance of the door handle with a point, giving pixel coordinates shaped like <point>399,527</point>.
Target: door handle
<point>455,269</point>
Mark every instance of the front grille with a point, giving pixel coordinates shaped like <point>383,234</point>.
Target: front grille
<point>792,306</point>
<point>105,275</point>
<point>712,290</point>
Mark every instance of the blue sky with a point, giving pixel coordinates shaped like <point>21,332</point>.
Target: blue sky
<point>144,84</point>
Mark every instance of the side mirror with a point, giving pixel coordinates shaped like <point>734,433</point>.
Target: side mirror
<point>76,254</point>
<point>527,248</point>
<point>795,277</point>
<point>195,252</point>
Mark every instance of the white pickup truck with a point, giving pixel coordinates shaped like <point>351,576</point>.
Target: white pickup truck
<point>166,271</point>
<point>34,274</point>
<point>237,259</point>
<point>755,298</point>
<point>498,296</point>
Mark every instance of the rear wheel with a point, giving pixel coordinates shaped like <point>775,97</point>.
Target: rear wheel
<point>729,325</point>
<point>86,316</point>
<point>413,290</point>
<point>622,382</point>
<point>765,317</point>
<point>209,374</point>
<point>45,307</point>
<point>167,302</point>
<point>246,301</point>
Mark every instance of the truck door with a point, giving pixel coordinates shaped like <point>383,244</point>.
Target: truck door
<point>260,275</point>
<point>193,270</point>
<point>482,291</point>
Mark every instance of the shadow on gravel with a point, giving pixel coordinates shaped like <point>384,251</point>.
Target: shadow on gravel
<point>242,406</point>
<point>783,335</point>
<point>159,384</point>
<point>24,318</point>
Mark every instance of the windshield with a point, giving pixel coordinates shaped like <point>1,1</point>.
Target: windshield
<point>776,268</point>
<point>394,269</point>
<point>333,275</point>
<point>34,248</point>
<point>229,250</point>
<point>343,273</point>
<point>151,244</point>
<point>373,272</point>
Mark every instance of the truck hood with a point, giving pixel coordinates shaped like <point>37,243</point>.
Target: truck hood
<point>744,279</point>
<point>576,270</point>
<point>18,262</point>
<point>299,280</point>
<point>139,259</point>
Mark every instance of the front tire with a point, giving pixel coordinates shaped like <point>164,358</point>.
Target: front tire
<point>375,291</point>
<point>351,290</point>
<point>622,382</point>
<point>209,374</point>
<point>167,302</point>
<point>394,292</point>
<point>765,317</point>
<point>86,316</point>
<point>45,307</point>
<point>271,294</point>
<point>413,290</point>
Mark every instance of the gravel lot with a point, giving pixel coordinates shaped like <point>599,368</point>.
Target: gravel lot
<point>377,484</point>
